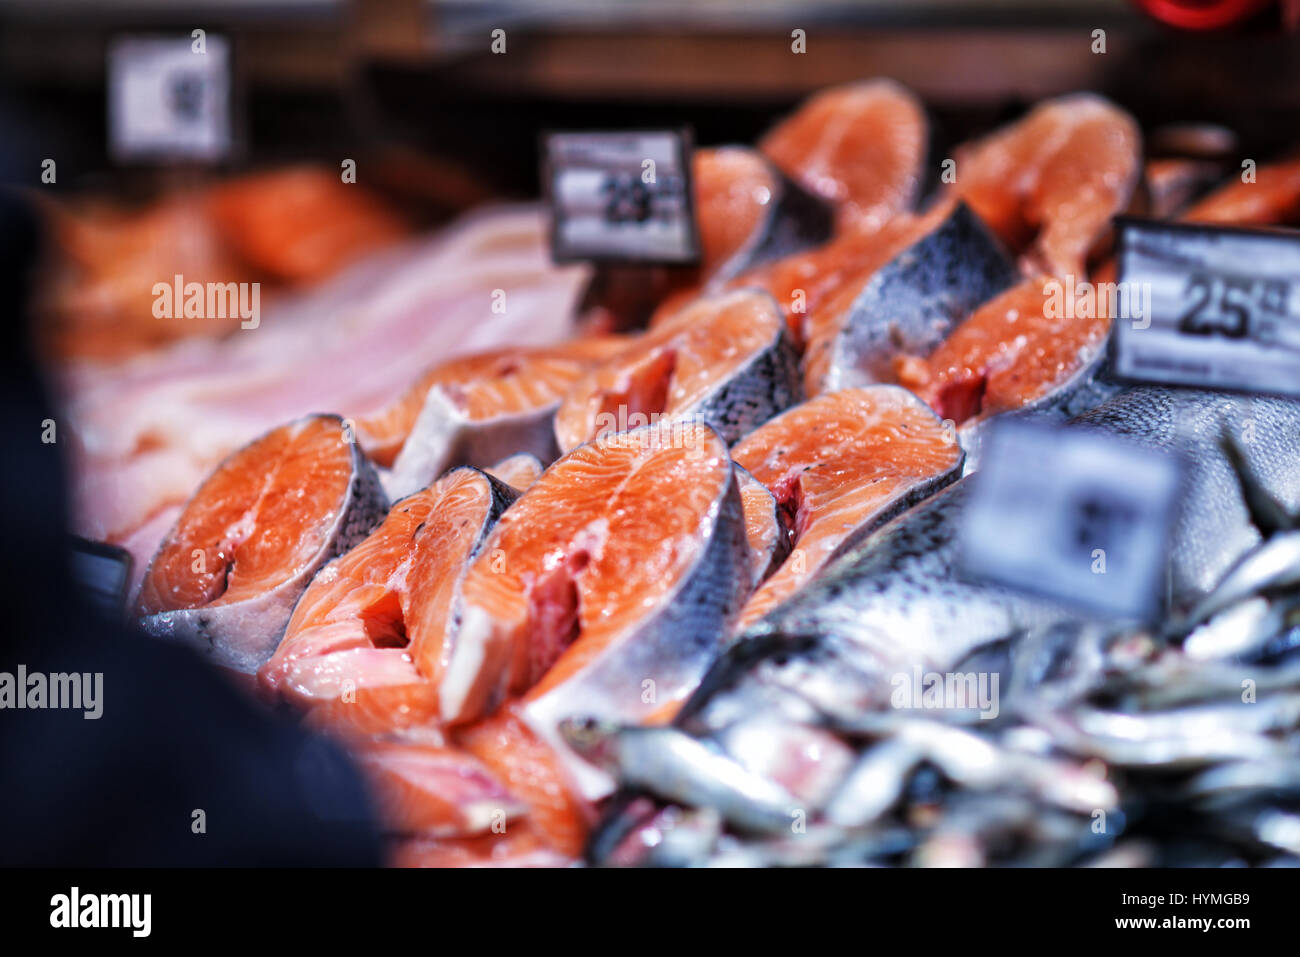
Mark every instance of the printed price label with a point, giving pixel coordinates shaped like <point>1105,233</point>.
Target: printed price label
<point>621,197</point>
<point>1222,307</point>
<point>169,98</point>
<point>103,571</point>
<point>1073,514</point>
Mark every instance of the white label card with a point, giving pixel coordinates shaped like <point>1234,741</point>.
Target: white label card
<point>621,197</point>
<point>1073,514</point>
<point>1222,307</point>
<point>169,101</point>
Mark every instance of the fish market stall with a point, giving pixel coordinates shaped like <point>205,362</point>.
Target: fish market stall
<point>855,434</point>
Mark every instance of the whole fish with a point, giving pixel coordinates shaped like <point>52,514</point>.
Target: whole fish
<point>1215,527</point>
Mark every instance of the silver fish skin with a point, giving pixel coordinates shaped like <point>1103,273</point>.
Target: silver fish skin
<point>765,386</point>
<point>1214,528</point>
<point>243,635</point>
<point>671,646</point>
<point>893,599</point>
<point>912,302</point>
<point>675,766</point>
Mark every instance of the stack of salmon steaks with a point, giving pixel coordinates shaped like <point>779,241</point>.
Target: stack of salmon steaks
<point>531,536</point>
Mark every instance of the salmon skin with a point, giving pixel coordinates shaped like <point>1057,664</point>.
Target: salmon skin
<point>842,463</point>
<point>908,305</point>
<point>860,146</point>
<point>1215,526</point>
<point>226,577</point>
<point>368,642</point>
<point>606,588</point>
<point>1050,183</point>
<point>748,213</point>
<point>725,360</point>
<point>476,410</point>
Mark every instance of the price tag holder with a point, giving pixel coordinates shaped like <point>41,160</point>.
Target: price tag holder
<point>621,197</point>
<point>1222,307</point>
<point>1075,515</point>
<point>102,571</point>
<point>168,101</point>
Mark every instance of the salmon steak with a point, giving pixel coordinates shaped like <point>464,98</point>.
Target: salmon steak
<point>839,464</point>
<point>606,588</point>
<point>942,266</point>
<point>749,212</point>
<point>1050,183</point>
<point>227,576</point>
<point>1014,351</point>
<point>861,147</point>
<point>800,283</point>
<point>1272,199</point>
<point>477,410</point>
<point>725,360</point>
<point>369,642</point>
<point>435,791</point>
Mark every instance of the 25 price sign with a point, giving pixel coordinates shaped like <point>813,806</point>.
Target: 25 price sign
<point>1222,310</point>
<point>1234,307</point>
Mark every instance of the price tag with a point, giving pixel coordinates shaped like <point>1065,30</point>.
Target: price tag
<point>1075,515</point>
<point>169,98</point>
<point>1222,307</point>
<point>621,197</point>
<point>103,572</point>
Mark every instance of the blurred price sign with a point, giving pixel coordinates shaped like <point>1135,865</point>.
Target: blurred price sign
<point>1075,515</point>
<point>621,197</point>
<point>102,571</point>
<point>169,98</point>
<point>1220,307</point>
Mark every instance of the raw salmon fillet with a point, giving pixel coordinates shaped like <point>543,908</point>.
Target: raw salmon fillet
<point>244,548</point>
<point>518,471</point>
<point>725,360</point>
<point>606,588</point>
<point>302,223</point>
<point>1050,183</point>
<point>860,146</point>
<point>928,273</point>
<point>1272,200</point>
<point>475,410</point>
<point>843,463</point>
<point>436,791</point>
<point>1009,353</point>
<point>370,639</point>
